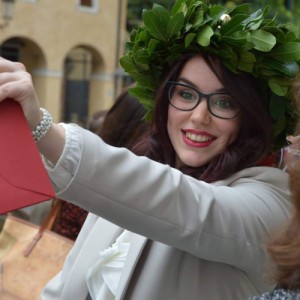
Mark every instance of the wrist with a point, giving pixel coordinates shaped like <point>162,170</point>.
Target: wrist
<point>43,126</point>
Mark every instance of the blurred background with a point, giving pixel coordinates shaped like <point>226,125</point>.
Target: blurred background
<point>72,47</point>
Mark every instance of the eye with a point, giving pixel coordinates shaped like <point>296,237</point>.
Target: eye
<point>223,102</point>
<point>187,94</point>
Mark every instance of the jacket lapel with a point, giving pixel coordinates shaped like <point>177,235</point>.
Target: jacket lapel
<point>137,245</point>
<point>101,236</point>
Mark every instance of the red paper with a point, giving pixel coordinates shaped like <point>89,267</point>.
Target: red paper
<point>23,178</point>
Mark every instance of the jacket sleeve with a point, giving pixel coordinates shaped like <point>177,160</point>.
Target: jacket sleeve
<point>228,221</point>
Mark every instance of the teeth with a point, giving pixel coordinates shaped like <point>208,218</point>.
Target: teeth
<point>197,138</point>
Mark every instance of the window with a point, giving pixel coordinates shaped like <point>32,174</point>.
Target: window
<point>90,6</point>
<point>87,3</point>
<point>11,49</point>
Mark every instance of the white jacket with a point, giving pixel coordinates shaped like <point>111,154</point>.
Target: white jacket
<point>204,241</point>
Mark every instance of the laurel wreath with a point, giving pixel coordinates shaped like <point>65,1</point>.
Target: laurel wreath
<point>244,42</point>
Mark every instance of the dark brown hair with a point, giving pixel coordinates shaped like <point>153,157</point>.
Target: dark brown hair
<point>252,143</point>
<point>124,122</point>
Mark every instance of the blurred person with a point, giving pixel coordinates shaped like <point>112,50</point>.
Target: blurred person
<point>284,249</point>
<point>122,123</point>
<point>96,121</point>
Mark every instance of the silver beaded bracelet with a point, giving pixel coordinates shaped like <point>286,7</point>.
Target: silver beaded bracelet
<point>43,127</point>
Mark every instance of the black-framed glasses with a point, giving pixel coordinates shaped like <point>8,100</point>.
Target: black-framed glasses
<point>186,98</point>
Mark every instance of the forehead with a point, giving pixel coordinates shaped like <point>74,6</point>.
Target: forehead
<point>198,72</point>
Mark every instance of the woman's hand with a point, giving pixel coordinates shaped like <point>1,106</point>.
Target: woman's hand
<point>16,84</point>
<point>293,139</point>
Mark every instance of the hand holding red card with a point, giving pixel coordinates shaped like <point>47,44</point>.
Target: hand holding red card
<point>23,178</point>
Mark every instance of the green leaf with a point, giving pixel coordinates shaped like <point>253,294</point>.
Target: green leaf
<point>235,24</point>
<point>129,46</point>
<point>287,52</point>
<point>277,107</point>
<point>141,57</point>
<point>127,63</point>
<point>204,35</point>
<point>175,25</point>
<point>142,36</point>
<point>141,93</point>
<point>277,32</point>
<point>247,61</point>
<point>198,18</point>
<point>225,51</point>
<point>291,37</point>
<point>254,20</point>
<point>216,11</point>
<point>156,21</point>
<point>231,62</point>
<point>240,9</point>
<point>277,87</point>
<point>153,43</point>
<point>238,39</point>
<point>290,69</point>
<point>179,6</point>
<point>254,25</point>
<point>146,98</point>
<point>189,39</point>
<point>262,40</point>
<point>144,80</point>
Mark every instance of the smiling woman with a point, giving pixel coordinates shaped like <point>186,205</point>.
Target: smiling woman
<point>191,203</point>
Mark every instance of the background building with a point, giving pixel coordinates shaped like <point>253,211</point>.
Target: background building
<point>71,48</point>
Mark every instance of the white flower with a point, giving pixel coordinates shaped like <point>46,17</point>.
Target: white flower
<point>225,18</point>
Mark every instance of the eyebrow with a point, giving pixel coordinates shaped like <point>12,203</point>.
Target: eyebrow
<point>188,82</point>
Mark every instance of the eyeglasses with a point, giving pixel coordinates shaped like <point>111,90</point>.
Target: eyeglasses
<point>186,98</point>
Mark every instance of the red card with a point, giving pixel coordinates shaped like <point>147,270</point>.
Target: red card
<point>23,178</point>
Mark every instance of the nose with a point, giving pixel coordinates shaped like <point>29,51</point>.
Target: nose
<point>201,113</point>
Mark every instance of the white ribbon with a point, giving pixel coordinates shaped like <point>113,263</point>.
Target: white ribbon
<point>103,278</point>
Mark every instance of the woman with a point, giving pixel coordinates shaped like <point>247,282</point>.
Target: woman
<point>189,223</point>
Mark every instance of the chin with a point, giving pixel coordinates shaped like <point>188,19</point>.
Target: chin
<point>193,161</point>
<point>193,164</point>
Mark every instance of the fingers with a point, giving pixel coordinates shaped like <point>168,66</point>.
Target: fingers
<point>16,84</point>
<point>9,66</point>
<point>293,139</point>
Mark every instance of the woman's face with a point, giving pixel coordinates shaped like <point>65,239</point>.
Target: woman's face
<point>198,136</point>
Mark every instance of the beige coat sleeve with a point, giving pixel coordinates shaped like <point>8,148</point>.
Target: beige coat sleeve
<point>224,222</point>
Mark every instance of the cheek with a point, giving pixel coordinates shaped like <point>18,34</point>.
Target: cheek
<point>233,130</point>
<point>175,116</point>
<point>228,130</point>
<point>169,122</point>
<point>172,120</point>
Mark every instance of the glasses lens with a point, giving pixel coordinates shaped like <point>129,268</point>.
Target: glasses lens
<point>183,97</point>
<point>223,106</point>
